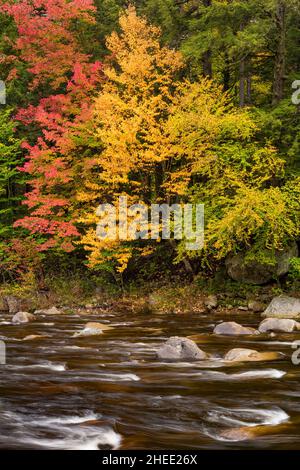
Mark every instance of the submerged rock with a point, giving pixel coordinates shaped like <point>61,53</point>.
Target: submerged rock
<point>180,349</point>
<point>251,355</point>
<point>92,329</point>
<point>283,306</point>
<point>231,328</point>
<point>244,433</point>
<point>33,337</point>
<point>254,272</point>
<point>48,311</point>
<point>283,325</point>
<point>23,317</point>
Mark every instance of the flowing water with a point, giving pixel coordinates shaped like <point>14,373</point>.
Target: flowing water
<point>110,392</point>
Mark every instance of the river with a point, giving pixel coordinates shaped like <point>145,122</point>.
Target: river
<point>110,391</point>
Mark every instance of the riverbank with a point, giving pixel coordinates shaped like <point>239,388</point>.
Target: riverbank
<point>176,296</point>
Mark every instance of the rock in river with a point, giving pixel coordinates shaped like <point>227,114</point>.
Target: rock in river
<point>23,317</point>
<point>251,355</point>
<point>283,306</point>
<point>231,328</point>
<point>283,325</point>
<point>180,349</point>
<point>92,329</point>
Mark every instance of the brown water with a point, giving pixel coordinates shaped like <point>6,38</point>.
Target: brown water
<point>110,392</point>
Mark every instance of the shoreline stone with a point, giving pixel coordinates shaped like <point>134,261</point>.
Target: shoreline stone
<point>283,306</point>
<point>253,272</point>
<point>48,311</point>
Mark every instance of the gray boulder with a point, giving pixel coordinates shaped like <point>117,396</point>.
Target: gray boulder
<point>283,306</point>
<point>231,328</point>
<point>14,304</point>
<point>180,349</point>
<point>283,325</point>
<point>23,317</point>
<point>255,272</point>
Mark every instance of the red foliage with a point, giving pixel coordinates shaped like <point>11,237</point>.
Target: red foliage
<point>47,44</point>
<point>45,38</point>
<point>49,160</point>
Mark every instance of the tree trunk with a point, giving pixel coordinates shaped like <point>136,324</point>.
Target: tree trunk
<point>186,262</point>
<point>249,89</point>
<point>242,83</point>
<point>207,56</point>
<point>206,64</point>
<point>279,66</point>
<point>226,73</point>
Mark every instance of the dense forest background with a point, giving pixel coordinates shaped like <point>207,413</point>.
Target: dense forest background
<point>162,101</point>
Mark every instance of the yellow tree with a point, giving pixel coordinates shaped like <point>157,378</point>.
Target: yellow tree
<point>128,129</point>
<point>155,138</point>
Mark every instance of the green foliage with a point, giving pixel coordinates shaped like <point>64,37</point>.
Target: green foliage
<point>294,272</point>
<point>11,179</point>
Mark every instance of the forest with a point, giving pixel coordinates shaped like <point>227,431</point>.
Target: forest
<point>150,229</point>
<point>158,101</point>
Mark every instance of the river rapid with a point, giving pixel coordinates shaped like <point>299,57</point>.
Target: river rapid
<point>110,391</point>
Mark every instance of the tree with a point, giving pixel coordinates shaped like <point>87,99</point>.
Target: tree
<point>50,56</point>
<point>61,78</point>
<point>156,139</point>
<point>128,126</point>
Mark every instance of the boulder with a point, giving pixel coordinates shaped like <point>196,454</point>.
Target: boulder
<point>231,328</point>
<point>3,305</point>
<point>23,317</point>
<point>256,306</point>
<point>14,304</point>
<point>283,306</point>
<point>180,349</point>
<point>254,272</point>
<point>211,302</point>
<point>251,355</point>
<point>48,311</point>
<point>92,329</point>
<point>284,325</point>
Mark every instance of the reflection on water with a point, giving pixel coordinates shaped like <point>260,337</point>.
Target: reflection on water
<point>110,392</point>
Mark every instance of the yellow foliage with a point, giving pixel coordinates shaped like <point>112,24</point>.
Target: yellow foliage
<point>157,139</point>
